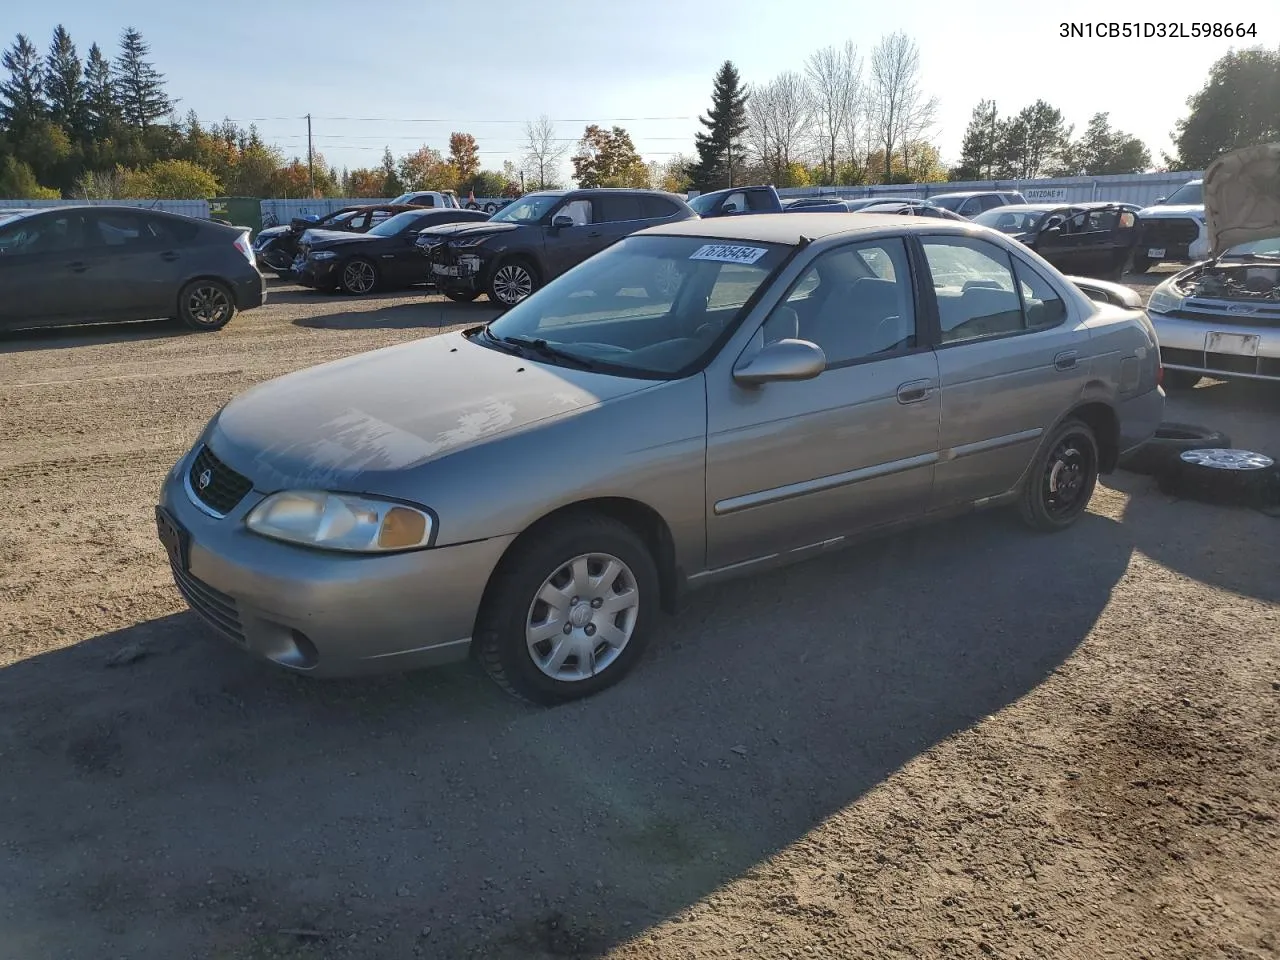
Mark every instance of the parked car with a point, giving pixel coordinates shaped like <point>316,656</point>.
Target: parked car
<point>429,198</point>
<point>85,264</point>
<point>737,200</point>
<point>380,258</point>
<point>1173,229</point>
<point>539,237</point>
<point>534,489</point>
<point>1221,318</point>
<point>970,203</point>
<point>910,208</point>
<point>1091,239</point>
<point>276,247</point>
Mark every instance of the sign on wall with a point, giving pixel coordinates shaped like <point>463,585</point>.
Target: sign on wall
<point>1045,194</point>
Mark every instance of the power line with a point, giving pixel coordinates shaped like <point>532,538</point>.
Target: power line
<point>437,120</point>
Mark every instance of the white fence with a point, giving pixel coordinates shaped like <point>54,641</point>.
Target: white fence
<point>1140,188</point>
<point>282,211</point>
<point>188,208</point>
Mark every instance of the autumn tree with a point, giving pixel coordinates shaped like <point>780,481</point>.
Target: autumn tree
<point>139,86</point>
<point>544,152</point>
<point>425,169</point>
<point>608,158</point>
<point>720,147</point>
<point>1238,106</point>
<point>464,156</point>
<point>365,183</point>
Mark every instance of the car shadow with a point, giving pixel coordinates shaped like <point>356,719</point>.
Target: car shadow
<point>205,791</point>
<point>427,314</point>
<point>89,335</point>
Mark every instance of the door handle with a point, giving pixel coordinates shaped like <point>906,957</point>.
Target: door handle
<point>169,255</point>
<point>913,391</point>
<point>594,233</point>
<point>1066,360</point>
<point>77,266</point>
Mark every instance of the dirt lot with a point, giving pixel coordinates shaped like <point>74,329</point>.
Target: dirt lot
<point>969,742</point>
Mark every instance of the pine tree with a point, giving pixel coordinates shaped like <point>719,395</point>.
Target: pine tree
<point>391,183</point>
<point>139,86</point>
<point>99,94</point>
<point>978,150</point>
<point>22,102</point>
<point>720,150</point>
<point>64,85</point>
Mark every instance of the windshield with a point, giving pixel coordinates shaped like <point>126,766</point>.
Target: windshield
<point>648,306</point>
<point>948,203</point>
<point>393,225</point>
<point>1010,221</point>
<point>1270,247</point>
<point>528,209</point>
<point>1188,193</point>
<point>703,203</point>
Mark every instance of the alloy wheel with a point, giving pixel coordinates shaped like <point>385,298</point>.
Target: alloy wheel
<point>512,283</point>
<point>582,617</point>
<point>358,276</point>
<point>208,305</point>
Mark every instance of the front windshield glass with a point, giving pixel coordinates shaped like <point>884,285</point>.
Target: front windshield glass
<point>1188,193</point>
<point>403,199</point>
<point>703,203</point>
<point>1270,247</point>
<point>947,203</point>
<point>528,209</point>
<point>1010,221</point>
<point>393,225</point>
<point>648,306</point>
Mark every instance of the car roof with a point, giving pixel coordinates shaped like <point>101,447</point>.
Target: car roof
<point>974,193</point>
<point>772,228</point>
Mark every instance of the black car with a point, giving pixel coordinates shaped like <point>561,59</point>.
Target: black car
<point>276,247</point>
<point>1094,239</point>
<point>539,237</point>
<point>380,258</point>
<point>87,264</point>
<point>970,203</point>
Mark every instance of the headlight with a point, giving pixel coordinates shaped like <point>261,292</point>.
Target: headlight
<point>323,255</point>
<point>340,521</point>
<point>1164,299</point>
<point>468,241</point>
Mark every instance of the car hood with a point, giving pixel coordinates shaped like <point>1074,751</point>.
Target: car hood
<point>1242,197</point>
<point>272,231</point>
<point>359,423</point>
<point>449,231</point>
<point>1163,211</point>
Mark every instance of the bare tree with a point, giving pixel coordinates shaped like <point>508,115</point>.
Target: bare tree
<point>834,76</point>
<point>899,110</point>
<point>543,152</point>
<point>777,114</point>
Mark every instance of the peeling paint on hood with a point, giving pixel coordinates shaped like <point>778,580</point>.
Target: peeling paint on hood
<point>1242,197</point>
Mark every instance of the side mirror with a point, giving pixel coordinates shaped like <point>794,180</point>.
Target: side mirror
<point>561,220</point>
<point>729,208</point>
<point>1052,231</point>
<point>782,360</point>
<point>1160,200</point>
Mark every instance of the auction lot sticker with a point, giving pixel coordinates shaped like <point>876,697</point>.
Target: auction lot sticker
<point>728,253</point>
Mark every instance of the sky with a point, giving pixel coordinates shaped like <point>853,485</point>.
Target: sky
<point>415,70</point>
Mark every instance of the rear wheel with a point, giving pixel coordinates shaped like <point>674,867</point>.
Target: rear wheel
<point>1062,479</point>
<point>206,305</point>
<point>462,296</point>
<point>359,277</point>
<point>511,282</point>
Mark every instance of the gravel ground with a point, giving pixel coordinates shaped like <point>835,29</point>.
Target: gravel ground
<point>966,742</point>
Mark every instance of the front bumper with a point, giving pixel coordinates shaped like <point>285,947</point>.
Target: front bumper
<point>451,269</point>
<point>1220,348</point>
<point>327,614</point>
<point>319,274</point>
<point>1177,240</point>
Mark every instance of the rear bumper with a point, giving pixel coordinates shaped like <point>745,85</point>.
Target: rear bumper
<point>250,292</point>
<point>1139,417</point>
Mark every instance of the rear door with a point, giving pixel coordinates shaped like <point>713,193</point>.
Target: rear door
<point>1011,362</point>
<point>137,259</point>
<point>43,270</point>
<point>616,216</point>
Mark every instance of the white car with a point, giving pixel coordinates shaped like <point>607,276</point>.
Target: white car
<point>1221,318</point>
<point>1173,230</point>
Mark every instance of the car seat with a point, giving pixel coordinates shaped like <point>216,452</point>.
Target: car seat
<point>861,318</point>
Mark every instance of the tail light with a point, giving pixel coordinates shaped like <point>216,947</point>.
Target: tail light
<point>242,244</point>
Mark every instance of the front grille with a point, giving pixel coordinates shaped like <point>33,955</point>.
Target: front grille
<point>214,607</point>
<point>222,488</point>
<point>1169,232</point>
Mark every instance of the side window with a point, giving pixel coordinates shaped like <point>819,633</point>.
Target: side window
<point>987,202</point>
<point>120,230</point>
<point>759,200</point>
<point>47,234</point>
<point>617,208</point>
<point>168,232</point>
<point>1043,306</point>
<point>854,302</point>
<point>579,210</point>
<point>359,221</point>
<point>737,200</point>
<point>657,208</point>
<point>426,200</point>
<point>973,283</point>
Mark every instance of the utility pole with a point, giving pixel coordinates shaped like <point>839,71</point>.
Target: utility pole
<point>311,169</point>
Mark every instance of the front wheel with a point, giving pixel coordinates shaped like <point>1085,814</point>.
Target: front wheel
<point>1062,478</point>
<point>206,305</point>
<point>462,296</point>
<point>512,282</point>
<point>569,611</point>
<point>359,277</point>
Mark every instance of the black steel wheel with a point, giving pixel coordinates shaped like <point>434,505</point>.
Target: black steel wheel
<point>1062,479</point>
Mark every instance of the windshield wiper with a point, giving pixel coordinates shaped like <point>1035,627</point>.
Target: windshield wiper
<point>539,346</point>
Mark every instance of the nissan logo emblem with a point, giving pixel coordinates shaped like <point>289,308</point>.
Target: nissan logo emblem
<point>205,479</point>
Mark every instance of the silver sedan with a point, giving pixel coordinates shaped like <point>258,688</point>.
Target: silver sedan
<point>701,400</point>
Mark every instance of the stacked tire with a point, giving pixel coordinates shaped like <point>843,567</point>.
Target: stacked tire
<point>1196,463</point>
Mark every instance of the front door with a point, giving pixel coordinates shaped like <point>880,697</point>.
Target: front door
<point>1010,362</point>
<point>43,270</point>
<point>790,465</point>
<point>567,246</point>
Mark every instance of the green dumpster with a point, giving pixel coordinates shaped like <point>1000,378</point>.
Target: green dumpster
<point>241,211</point>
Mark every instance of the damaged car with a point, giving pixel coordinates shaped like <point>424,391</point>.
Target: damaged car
<point>1221,318</point>
<point>1093,239</point>
<point>275,248</point>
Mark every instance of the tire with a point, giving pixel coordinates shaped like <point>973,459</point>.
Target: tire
<point>359,277</point>
<point>206,305</point>
<point>512,281</point>
<point>1160,454</point>
<point>1239,478</point>
<point>515,625</point>
<point>473,206</point>
<point>1062,478</point>
<point>1139,263</point>
<point>1180,379</point>
<point>490,208</point>
<point>462,296</point>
